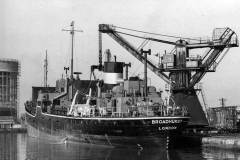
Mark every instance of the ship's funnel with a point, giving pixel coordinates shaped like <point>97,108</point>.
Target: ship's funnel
<point>113,72</point>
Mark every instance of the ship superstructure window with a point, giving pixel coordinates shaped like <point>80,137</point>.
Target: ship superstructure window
<point>56,102</point>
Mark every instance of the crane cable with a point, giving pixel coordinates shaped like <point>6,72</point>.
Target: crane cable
<point>164,35</point>
<point>85,91</point>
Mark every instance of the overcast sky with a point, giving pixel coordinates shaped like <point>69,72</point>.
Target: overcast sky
<point>29,27</point>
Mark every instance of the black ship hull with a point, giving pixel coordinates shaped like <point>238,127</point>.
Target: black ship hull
<point>136,131</point>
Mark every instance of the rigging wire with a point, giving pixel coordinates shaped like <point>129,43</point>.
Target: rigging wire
<point>85,91</point>
<point>144,43</point>
<point>158,34</point>
<point>148,38</point>
<point>132,35</point>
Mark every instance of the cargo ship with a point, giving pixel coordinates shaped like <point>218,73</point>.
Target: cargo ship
<point>112,111</point>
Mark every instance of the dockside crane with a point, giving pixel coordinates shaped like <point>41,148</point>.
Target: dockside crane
<point>178,66</point>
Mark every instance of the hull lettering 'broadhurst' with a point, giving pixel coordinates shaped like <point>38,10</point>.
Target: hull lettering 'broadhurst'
<point>166,121</point>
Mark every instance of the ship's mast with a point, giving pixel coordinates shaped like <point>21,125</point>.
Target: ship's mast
<point>72,31</point>
<point>45,70</point>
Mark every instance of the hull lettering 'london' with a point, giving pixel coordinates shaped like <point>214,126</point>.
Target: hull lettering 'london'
<point>167,128</point>
<point>166,121</point>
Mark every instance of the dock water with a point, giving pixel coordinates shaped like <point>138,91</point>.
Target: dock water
<point>225,142</point>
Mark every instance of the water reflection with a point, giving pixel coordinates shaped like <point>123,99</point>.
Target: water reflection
<point>12,146</point>
<point>216,153</point>
<point>21,147</point>
<point>37,149</point>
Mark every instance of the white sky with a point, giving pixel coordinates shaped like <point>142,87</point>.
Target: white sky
<point>28,27</point>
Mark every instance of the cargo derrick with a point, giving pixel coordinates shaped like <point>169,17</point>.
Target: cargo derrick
<point>178,67</point>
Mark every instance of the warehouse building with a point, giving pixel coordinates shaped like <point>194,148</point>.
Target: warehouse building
<point>227,117</point>
<point>9,92</point>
